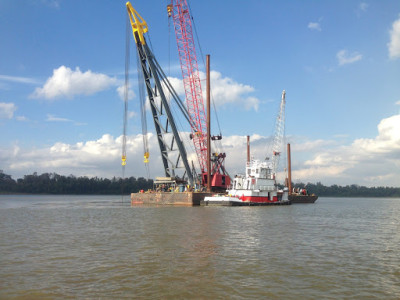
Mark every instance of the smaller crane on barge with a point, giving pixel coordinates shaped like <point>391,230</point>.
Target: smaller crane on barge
<point>277,146</point>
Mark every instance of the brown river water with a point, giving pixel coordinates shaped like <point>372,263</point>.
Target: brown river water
<point>99,247</point>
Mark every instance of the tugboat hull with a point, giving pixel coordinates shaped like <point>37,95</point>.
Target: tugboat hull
<point>233,201</point>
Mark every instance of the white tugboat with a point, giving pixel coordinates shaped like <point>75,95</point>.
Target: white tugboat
<point>256,187</point>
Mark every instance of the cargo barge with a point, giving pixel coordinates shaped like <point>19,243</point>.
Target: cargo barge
<point>294,199</point>
<point>298,196</point>
<point>169,191</point>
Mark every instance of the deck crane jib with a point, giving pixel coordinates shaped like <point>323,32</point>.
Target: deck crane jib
<point>173,152</point>
<point>278,142</point>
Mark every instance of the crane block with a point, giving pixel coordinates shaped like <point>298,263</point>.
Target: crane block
<point>169,9</point>
<point>146,157</point>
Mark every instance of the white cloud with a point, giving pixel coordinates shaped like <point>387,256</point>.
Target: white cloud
<point>177,83</point>
<point>370,162</point>
<point>224,91</point>
<point>7,110</point>
<point>341,135</point>
<point>394,44</point>
<point>312,145</point>
<point>68,83</point>
<point>21,118</point>
<point>398,102</point>
<point>18,79</point>
<point>101,157</point>
<point>121,92</point>
<point>387,141</point>
<point>365,161</point>
<point>363,6</point>
<point>314,26</point>
<point>52,3</point>
<point>361,9</point>
<point>251,103</point>
<point>52,118</point>
<point>347,58</point>
<point>362,162</point>
<point>131,114</point>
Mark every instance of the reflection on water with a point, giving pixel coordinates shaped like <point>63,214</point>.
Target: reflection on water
<point>100,247</point>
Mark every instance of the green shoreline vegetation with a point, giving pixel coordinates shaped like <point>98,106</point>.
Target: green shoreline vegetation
<point>52,183</point>
<point>353,190</point>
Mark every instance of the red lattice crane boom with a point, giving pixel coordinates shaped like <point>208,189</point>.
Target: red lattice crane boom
<point>191,78</point>
<point>179,11</point>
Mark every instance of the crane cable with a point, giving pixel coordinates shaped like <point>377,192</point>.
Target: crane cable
<point>142,98</point>
<point>125,113</point>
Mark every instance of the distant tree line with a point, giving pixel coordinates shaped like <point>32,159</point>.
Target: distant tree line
<point>52,183</point>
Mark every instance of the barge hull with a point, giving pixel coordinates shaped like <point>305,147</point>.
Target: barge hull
<point>168,198</point>
<point>302,198</point>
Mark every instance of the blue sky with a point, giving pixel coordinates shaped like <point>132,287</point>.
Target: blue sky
<point>62,65</point>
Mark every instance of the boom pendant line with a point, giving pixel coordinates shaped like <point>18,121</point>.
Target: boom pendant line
<point>125,116</point>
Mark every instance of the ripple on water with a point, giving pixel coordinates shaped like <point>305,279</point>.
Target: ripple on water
<point>96,248</point>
